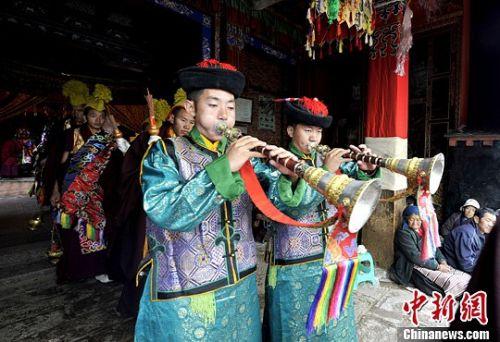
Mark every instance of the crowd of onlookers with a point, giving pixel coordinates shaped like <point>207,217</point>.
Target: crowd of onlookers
<point>463,236</point>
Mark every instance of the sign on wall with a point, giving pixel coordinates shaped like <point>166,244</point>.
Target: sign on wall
<point>244,110</point>
<point>266,113</point>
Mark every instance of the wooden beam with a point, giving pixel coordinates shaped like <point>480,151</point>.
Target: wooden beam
<point>262,4</point>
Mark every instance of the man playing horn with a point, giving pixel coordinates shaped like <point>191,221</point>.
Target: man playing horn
<point>296,253</point>
<point>202,282</point>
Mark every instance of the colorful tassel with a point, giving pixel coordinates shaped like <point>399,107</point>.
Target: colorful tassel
<point>321,319</point>
<point>204,306</point>
<point>65,220</point>
<point>333,10</point>
<point>90,232</point>
<point>272,276</point>
<point>334,308</point>
<point>313,312</point>
<point>352,281</point>
<point>333,294</point>
<point>215,64</point>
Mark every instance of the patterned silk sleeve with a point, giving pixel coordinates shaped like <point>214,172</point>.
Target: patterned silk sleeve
<point>171,202</point>
<point>295,199</point>
<point>266,173</point>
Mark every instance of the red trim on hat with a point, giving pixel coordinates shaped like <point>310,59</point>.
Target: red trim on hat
<point>213,63</point>
<point>314,106</point>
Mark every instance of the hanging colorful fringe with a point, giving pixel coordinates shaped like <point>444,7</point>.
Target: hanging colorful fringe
<point>272,276</point>
<point>339,22</point>
<point>340,267</point>
<point>91,233</point>
<point>333,295</point>
<point>64,219</point>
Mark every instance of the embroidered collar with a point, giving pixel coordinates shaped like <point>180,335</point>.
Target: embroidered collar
<point>200,139</point>
<point>295,150</point>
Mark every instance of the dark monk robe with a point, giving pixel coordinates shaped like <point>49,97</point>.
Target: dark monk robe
<point>128,246</point>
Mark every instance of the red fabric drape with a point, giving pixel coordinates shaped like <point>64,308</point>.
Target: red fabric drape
<point>387,114</point>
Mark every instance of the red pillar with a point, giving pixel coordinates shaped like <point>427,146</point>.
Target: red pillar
<point>386,130</point>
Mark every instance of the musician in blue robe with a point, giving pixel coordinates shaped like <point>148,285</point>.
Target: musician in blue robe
<point>296,253</point>
<point>202,284</point>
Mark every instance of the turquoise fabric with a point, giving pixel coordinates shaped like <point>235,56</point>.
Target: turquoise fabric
<point>237,317</point>
<point>169,201</point>
<point>288,304</point>
<point>179,205</point>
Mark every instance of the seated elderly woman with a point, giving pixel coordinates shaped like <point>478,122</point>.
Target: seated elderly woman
<point>429,275</point>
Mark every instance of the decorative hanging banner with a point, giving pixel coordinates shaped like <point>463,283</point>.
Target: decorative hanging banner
<point>406,41</point>
<point>430,240</point>
<point>340,267</point>
<point>339,23</point>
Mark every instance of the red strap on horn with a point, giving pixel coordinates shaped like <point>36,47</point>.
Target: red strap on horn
<point>259,198</point>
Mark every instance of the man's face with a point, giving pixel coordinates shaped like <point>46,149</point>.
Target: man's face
<point>183,122</point>
<point>95,119</point>
<point>469,211</point>
<point>486,223</point>
<point>212,107</point>
<point>303,136</point>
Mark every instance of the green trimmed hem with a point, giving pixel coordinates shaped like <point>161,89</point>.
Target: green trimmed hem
<point>287,195</point>
<point>228,184</point>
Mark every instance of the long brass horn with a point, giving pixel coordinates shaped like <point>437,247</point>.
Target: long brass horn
<point>424,171</point>
<point>359,198</point>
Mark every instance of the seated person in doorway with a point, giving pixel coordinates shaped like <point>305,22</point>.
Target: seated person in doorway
<point>466,214</point>
<point>463,245</point>
<point>429,275</point>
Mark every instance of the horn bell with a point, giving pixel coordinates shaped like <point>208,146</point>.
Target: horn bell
<point>358,198</point>
<point>428,170</point>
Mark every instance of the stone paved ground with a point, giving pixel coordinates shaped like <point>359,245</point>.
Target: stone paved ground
<point>34,308</point>
<point>15,187</point>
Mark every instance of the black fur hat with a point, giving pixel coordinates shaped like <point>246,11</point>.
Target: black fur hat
<point>212,74</point>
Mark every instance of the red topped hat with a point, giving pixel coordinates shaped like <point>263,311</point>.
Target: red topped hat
<point>307,111</point>
<point>212,74</point>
